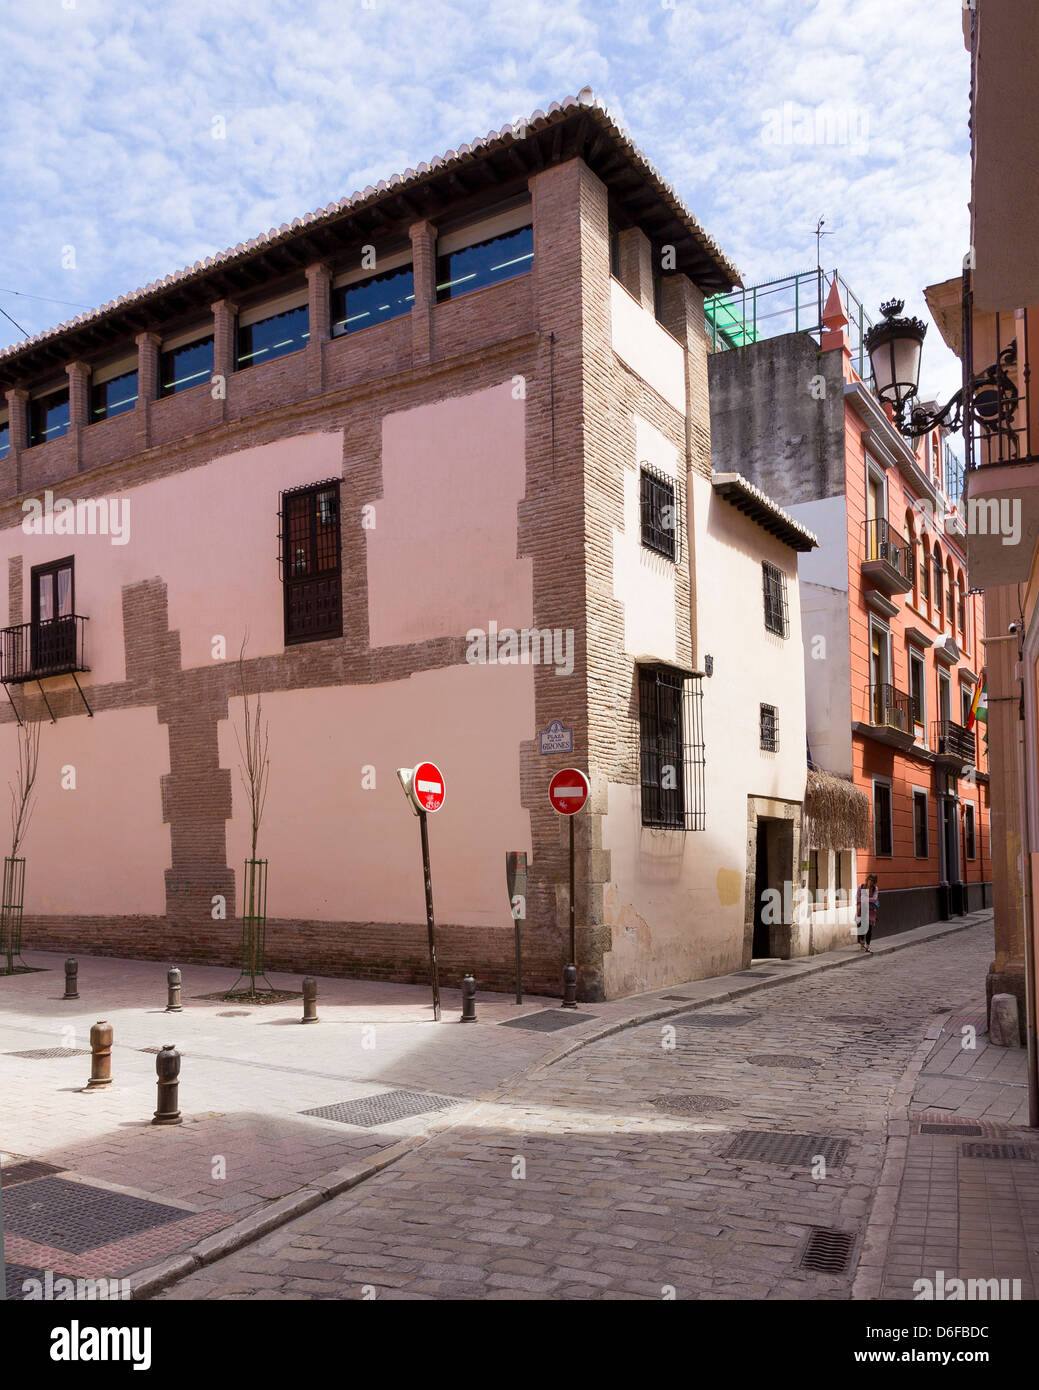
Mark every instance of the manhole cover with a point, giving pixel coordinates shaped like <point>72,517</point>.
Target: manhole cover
<point>704,1020</point>
<point>962,1130</point>
<point>796,1150</point>
<point>15,1276</point>
<point>548,1020</point>
<point>692,1105</point>
<point>26,1172</point>
<point>75,1217</point>
<point>865,1020</point>
<point>38,1053</point>
<point>383,1108</point>
<point>781,1059</point>
<point>827,1251</point>
<point>997,1151</point>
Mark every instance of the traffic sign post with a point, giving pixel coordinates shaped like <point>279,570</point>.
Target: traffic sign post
<point>516,879</point>
<point>568,792</point>
<point>425,788</point>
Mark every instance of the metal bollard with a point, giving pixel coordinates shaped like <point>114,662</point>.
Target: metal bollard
<point>310,1002</point>
<point>71,980</point>
<point>173,1004</point>
<point>468,1000</point>
<point>100,1056</point>
<point>167,1069</point>
<point>570,987</point>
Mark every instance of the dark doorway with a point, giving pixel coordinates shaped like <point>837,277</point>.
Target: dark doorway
<point>762,944</point>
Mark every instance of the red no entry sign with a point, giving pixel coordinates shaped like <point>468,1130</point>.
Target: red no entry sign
<point>427,787</point>
<point>568,791</point>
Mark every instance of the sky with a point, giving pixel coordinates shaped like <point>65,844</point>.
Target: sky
<point>140,137</point>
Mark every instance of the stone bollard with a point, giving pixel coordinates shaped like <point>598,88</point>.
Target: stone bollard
<point>173,1004</point>
<point>310,1002</point>
<point>71,979</point>
<point>100,1056</point>
<point>167,1069</point>
<point>468,999</point>
<point>570,987</point>
<point>1003,1027</point>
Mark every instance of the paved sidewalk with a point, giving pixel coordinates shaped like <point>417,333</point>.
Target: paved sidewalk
<point>966,1205</point>
<point>247,1157</point>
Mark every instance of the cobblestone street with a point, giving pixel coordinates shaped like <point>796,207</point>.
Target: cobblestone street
<point>616,1172</point>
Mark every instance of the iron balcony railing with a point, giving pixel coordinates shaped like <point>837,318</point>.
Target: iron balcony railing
<point>952,740</point>
<point>998,423</point>
<point>883,542</point>
<point>54,647</point>
<point>890,708</point>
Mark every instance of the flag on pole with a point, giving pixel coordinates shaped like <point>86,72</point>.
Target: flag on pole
<point>979,705</point>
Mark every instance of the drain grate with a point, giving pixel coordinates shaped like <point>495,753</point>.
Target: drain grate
<point>1024,1151</point>
<point>25,1172</point>
<point>781,1059</point>
<point>548,1020</point>
<point>758,974</point>
<point>75,1217</point>
<point>703,1020</point>
<point>39,1053</point>
<point>234,1013</point>
<point>964,1131</point>
<point>677,998</point>
<point>692,1105</point>
<point>383,1108</point>
<point>795,1150</point>
<point>828,1252</point>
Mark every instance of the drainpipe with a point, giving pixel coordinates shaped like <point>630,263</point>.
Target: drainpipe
<point>1026,722</point>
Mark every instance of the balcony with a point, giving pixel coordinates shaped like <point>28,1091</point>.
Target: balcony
<point>953,744</point>
<point>35,651</point>
<point>890,716</point>
<point>888,562</point>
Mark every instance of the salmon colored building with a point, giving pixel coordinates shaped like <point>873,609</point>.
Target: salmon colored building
<point>436,462</point>
<point>893,635</point>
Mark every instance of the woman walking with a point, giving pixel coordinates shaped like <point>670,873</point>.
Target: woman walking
<point>869,898</point>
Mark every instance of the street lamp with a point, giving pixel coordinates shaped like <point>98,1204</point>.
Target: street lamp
<point>894,346</point>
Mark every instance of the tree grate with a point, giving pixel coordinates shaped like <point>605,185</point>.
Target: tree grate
<point>964,1131</point>
<point>76,1217</point>
<point>782,1059</point>
<point>25,1172</point>
<point>704,1020</point>
<point>383,1108</point>
<point>37,1054</point>
<point>548,1020</point>
<point>1019,1151</point>
<point>692,1105</point>
<point>794,1150</point>
<point>828,1252</point>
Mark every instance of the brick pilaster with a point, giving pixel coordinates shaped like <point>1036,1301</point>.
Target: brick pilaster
<point>79,404</point>
<point>423,252</point>
<point>224,315</point>
<point>18,421</point>
<point>319,300</point>
<point>637,266</point>
<point>147,382</point>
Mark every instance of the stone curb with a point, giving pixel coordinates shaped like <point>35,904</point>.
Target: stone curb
<point>812,966</point>
<point>869,1276</point>
<point>146,1282</point>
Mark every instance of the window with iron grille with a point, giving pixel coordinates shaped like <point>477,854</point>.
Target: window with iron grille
<point>311,562</point>
<point>660,520</point>
<point>968,832</point>
<point>777,613</point>
<point>769,728</point>
<point>672,756</point>
<point>882,832</point>
<point>921,834</point>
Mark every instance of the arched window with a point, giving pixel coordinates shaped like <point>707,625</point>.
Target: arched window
<point>939,583</point>
<point>925,571</point>
<point>961,606</point>
<point>911,550</point>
